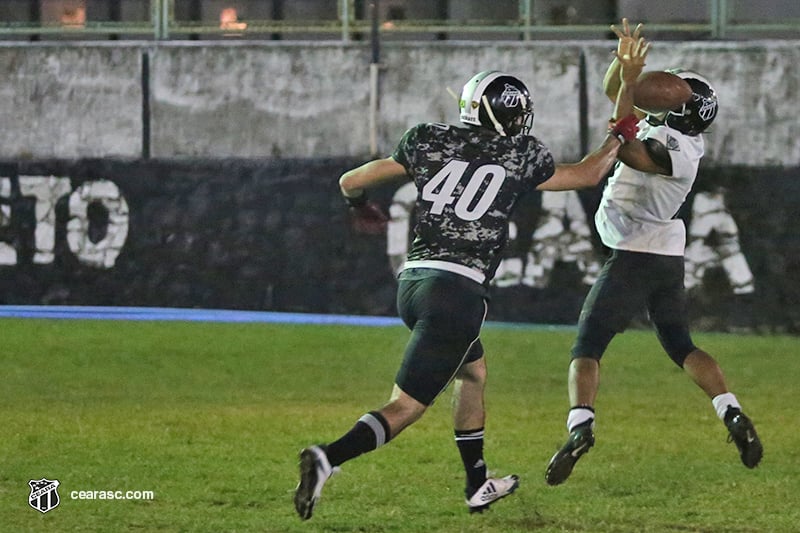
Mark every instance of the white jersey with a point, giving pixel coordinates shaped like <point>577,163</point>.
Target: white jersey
<point>637,209</point>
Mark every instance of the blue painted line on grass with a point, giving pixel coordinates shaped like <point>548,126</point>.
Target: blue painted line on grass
<point>216,315</point>
<point>191,315</point>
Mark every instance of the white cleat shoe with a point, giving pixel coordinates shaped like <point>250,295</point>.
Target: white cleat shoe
<point>314,472</point>
<point>492,490</point>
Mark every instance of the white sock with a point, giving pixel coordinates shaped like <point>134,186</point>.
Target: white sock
<point>579,415</point>
<point>722,402</point>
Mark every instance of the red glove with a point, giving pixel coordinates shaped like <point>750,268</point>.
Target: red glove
<point>368,218</point>
<point>625,129</point>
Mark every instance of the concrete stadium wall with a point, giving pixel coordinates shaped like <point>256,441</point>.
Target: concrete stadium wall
<point>274,235</point>
<point>237,99</point>
<point>70,100</point>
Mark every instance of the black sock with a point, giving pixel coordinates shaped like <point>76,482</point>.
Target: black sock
<point>370,432</point>
<point>470,445</point>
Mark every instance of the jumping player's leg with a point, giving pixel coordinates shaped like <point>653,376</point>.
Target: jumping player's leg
<point>583,383</point>
<point>669,313</point>
<point>583,380</point>
<point>611,303</point>
<point>705,372</point>
<point>668,310</point>
<point>614,299</point>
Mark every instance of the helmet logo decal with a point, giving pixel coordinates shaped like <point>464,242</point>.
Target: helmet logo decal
<point>708,107</point>
<point>512,96</point>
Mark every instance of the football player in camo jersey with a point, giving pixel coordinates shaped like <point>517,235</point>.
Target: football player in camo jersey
<point>636,221</point>
<point>469,179</point>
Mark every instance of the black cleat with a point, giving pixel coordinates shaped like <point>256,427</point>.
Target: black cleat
<point>581,438</point>
<point>743,434</point>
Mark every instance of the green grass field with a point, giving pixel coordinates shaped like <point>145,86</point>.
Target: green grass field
<point>210,417</point>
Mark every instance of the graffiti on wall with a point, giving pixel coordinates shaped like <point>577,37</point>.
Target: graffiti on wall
<point>273,235</point>
<point>96,227</point>
<point>399,227</point>
<point>563,235</point>
<point>713,241</point>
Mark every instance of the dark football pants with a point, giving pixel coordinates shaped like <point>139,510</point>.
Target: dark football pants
<point>444,312</point>
<point>628,283</point>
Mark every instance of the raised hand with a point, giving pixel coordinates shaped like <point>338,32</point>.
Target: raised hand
<point>626,39</point>
<point>629,59</point>
<point>627,44</point>
<point>632,55</point>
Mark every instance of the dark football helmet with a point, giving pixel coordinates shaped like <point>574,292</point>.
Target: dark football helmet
<point>497,101</point>
<point>696,115</point>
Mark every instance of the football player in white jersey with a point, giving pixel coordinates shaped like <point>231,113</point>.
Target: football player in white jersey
<point>636,220</point>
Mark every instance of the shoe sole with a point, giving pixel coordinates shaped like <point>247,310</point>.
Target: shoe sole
<point>562,463</point>
<point>485,507</point>
<point>304,499</point>
<point>752,456</point>
<point>559,468</point>
<point>749,445</point>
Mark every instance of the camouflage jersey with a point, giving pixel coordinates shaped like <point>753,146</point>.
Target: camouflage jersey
<point>468,183</point>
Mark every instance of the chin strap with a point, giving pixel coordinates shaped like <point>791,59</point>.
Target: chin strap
<point>489,112</point>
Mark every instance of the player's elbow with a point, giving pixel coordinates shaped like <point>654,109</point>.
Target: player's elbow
<point>347,183</point>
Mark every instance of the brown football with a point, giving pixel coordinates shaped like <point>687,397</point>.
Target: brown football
<point>658,91</point>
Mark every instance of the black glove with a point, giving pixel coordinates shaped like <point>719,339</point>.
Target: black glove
<point>366,217</point>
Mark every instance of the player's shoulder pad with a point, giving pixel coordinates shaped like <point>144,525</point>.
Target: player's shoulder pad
<point>439,125</point>
<point>424,128</point>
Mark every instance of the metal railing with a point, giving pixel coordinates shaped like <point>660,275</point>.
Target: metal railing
<point>163,25</point>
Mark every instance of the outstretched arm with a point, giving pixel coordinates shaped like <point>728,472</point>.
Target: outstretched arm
<point>611,81</point>
<point>586,173</point>
<point>594,167</point>
<point>631,56</point>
